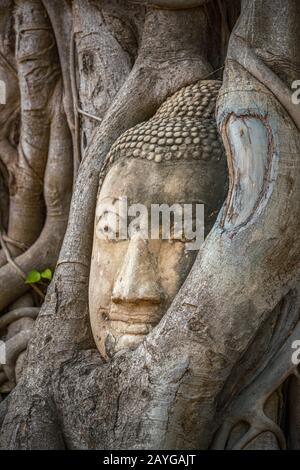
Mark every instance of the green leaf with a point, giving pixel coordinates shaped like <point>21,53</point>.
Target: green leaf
<point>47,274</point>
<point>33,277</point>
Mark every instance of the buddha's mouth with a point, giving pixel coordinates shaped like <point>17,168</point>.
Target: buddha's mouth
<point>127,325</point>
<point>123,336</point>
<point>135,315</point>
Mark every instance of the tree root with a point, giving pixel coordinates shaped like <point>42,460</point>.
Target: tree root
<point>27,312</point>
<point>39,80</point>
<point>16,267</point>
<point>44,252</point>
<point>13,348</point>
<point>3,378</point>
<point>273,369</point>
<point>247,58</point>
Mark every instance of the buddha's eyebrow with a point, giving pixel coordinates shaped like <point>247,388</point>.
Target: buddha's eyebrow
<point>106,212</point>
<point>108,208</point>
<point>108,202</point>
<point>111,198</point>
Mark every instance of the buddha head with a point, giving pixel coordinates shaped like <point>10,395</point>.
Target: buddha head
<point>174,159</point>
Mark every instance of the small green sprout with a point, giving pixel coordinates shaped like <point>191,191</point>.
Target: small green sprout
<point>34,276</point>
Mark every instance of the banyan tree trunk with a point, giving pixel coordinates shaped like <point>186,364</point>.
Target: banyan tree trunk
<point>169,392</point>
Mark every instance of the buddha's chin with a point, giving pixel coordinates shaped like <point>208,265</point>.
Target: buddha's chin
<point>126,342</point>
<point>121,336</point>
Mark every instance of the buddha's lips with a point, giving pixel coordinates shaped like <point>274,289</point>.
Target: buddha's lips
<point>132,314</point>
<point>135,329</point>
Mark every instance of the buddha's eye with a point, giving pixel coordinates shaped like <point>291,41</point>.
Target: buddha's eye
<point>107,227</point>
<point>107,233</point>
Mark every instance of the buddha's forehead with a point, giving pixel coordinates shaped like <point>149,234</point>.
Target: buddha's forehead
<point>148,182</point>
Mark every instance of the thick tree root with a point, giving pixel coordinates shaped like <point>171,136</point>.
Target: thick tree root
<point>39,80</point>
<point>27,312</point>
<point>57,192</point>
<point>275,368</point>
<point>165,393</point>
<point>3,378</point>
<point>13,348</point>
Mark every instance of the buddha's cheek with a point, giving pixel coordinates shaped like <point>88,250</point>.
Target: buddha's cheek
<point>174,266</point>
<point>106,261</point>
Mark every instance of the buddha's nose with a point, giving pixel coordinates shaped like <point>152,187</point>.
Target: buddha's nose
<point>137,279</point>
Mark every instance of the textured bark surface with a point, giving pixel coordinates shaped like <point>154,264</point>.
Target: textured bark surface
<point>216,370</point>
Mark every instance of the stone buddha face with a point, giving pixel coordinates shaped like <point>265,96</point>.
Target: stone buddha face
<point>134,280</point>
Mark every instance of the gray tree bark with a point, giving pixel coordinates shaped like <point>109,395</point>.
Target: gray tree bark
<point>213,372</point>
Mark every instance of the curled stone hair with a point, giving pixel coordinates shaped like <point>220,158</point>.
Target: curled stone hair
<point>184,128</point>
